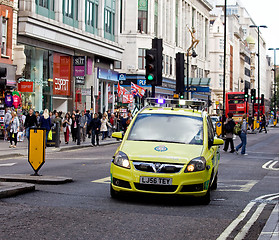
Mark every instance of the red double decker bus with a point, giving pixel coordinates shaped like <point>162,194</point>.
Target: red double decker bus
<point>235,103</point>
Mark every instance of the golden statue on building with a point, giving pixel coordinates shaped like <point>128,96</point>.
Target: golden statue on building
<point>195,41</point>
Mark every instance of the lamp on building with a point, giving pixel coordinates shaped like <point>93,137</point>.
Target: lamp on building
<point>258,27</point>
<point>275,102</point>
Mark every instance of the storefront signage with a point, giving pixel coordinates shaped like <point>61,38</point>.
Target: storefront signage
<point>25,86</point>
<point>128,98</point>
<point>80,80</point>
<point>79,66</point>
<point>141,82</point>
<point>61,74</point>
<point>107,74</point>
<point>198,89</point>
<point>122,76</point>
<point>86,91</point>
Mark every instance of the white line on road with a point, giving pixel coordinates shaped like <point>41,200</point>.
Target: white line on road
<point>241,235</point>
<point>232,226</point>
<point>242,215</point>
<point>270,165</point>
<point>102,180</point>
<point>7,164</point>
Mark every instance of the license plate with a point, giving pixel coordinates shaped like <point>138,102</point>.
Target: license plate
<point>156,180</point>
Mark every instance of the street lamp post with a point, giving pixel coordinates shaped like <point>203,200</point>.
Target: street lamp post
<point>274,52</point>
<point>258,27</point>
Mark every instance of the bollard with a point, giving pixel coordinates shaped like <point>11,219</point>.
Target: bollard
<point>57,137</point>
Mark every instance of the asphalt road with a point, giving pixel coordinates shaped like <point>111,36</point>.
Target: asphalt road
<point>83,209</point>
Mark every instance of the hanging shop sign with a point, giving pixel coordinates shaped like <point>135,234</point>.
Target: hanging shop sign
<point>61,75</point>
<point>80,80</point>
<point>107,74</point>
<point>25,86</point>
<point>79,66</point>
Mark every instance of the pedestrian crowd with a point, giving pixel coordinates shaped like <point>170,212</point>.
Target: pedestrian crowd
<point>73,124</point>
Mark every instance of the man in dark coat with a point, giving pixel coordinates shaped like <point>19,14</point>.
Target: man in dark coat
<point>95,125</point>
<point>30,121</point>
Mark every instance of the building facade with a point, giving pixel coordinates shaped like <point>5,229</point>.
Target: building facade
<point>170,20</point>
<point>66,52</point>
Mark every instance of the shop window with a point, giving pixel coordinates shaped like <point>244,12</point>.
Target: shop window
<point>45,8</point>
<point>109,21</point>
<point>70,12</point>
<point>91,16</point>
<point>141,58</point>
<point>4,36</point>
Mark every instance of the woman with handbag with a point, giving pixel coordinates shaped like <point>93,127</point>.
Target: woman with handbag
<point>14,129</point>
<point>67,122</point>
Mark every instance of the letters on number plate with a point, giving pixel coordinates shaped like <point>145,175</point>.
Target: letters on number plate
<point>156,180</point>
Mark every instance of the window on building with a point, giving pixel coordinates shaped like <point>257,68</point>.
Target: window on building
<point>170,65</point>
<point>45,8</point>
<point>221,61</point>
<point>221,43</point>
<point>141,58</point>
<point>117,65</point>
<point>91,16</point>
<point>156,18</point>
<point>167,64</point>
<point>109,23</point>
<point>221,80</point>
<point>247,72</point>
<point>142,15</point>
<point>4,36</point>
<point>164,64</point>
<point>176,22</point>
<point>70,12</point>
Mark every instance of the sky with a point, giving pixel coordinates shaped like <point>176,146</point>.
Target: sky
<point>266,13</point>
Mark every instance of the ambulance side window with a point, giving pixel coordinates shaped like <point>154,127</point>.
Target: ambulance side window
<point>210,132</point>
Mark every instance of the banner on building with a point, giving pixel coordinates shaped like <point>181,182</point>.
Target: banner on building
<point>61,75</point>
<point>137,90</point>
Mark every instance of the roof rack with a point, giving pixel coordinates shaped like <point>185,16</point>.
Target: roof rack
<point>177,103</point>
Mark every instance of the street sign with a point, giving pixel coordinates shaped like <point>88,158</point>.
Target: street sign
<point>36,148</point>
<point>198,89</point>
<point>218,128</point>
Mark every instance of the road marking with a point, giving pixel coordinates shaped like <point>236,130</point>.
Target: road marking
<point>270,165</point>
<point>242,215</point>
<point>241,235</point>
<point>230,187</point>
<point>102,180</point>
<point>232,226</point>
<point>7,164</point>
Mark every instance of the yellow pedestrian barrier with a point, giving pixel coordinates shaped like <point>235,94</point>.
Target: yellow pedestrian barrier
<point>218,128</point>
<point>255,124</point>
<point>274,122</point>
<point>36,148</point>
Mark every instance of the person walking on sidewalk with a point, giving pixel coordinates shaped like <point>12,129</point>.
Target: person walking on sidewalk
<point>95,125</point>
<point>14,130</point>
<point>45,122</point>
<point>263,124</point>
<point>7,120</point>
<point>67,122</point>
<point>30,121</point>
<point>83,125</point>
<point>243,136</point>
<point>74,127</point>
<point>229,125</point>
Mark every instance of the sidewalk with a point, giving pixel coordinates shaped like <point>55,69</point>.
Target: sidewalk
<point>22,147</point>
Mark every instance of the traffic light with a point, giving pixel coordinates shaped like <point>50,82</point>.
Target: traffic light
<point>246,93</point>
<point>151,66</point>
<point>158,45</point>
<point>262,99</point>
<point>253,94</point>
<point>180,85</point>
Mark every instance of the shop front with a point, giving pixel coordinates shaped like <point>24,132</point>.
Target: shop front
<point>46,81</point>
<point>106,98</point>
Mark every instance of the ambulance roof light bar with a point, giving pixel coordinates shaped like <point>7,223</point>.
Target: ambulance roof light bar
<point>176,102</point>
